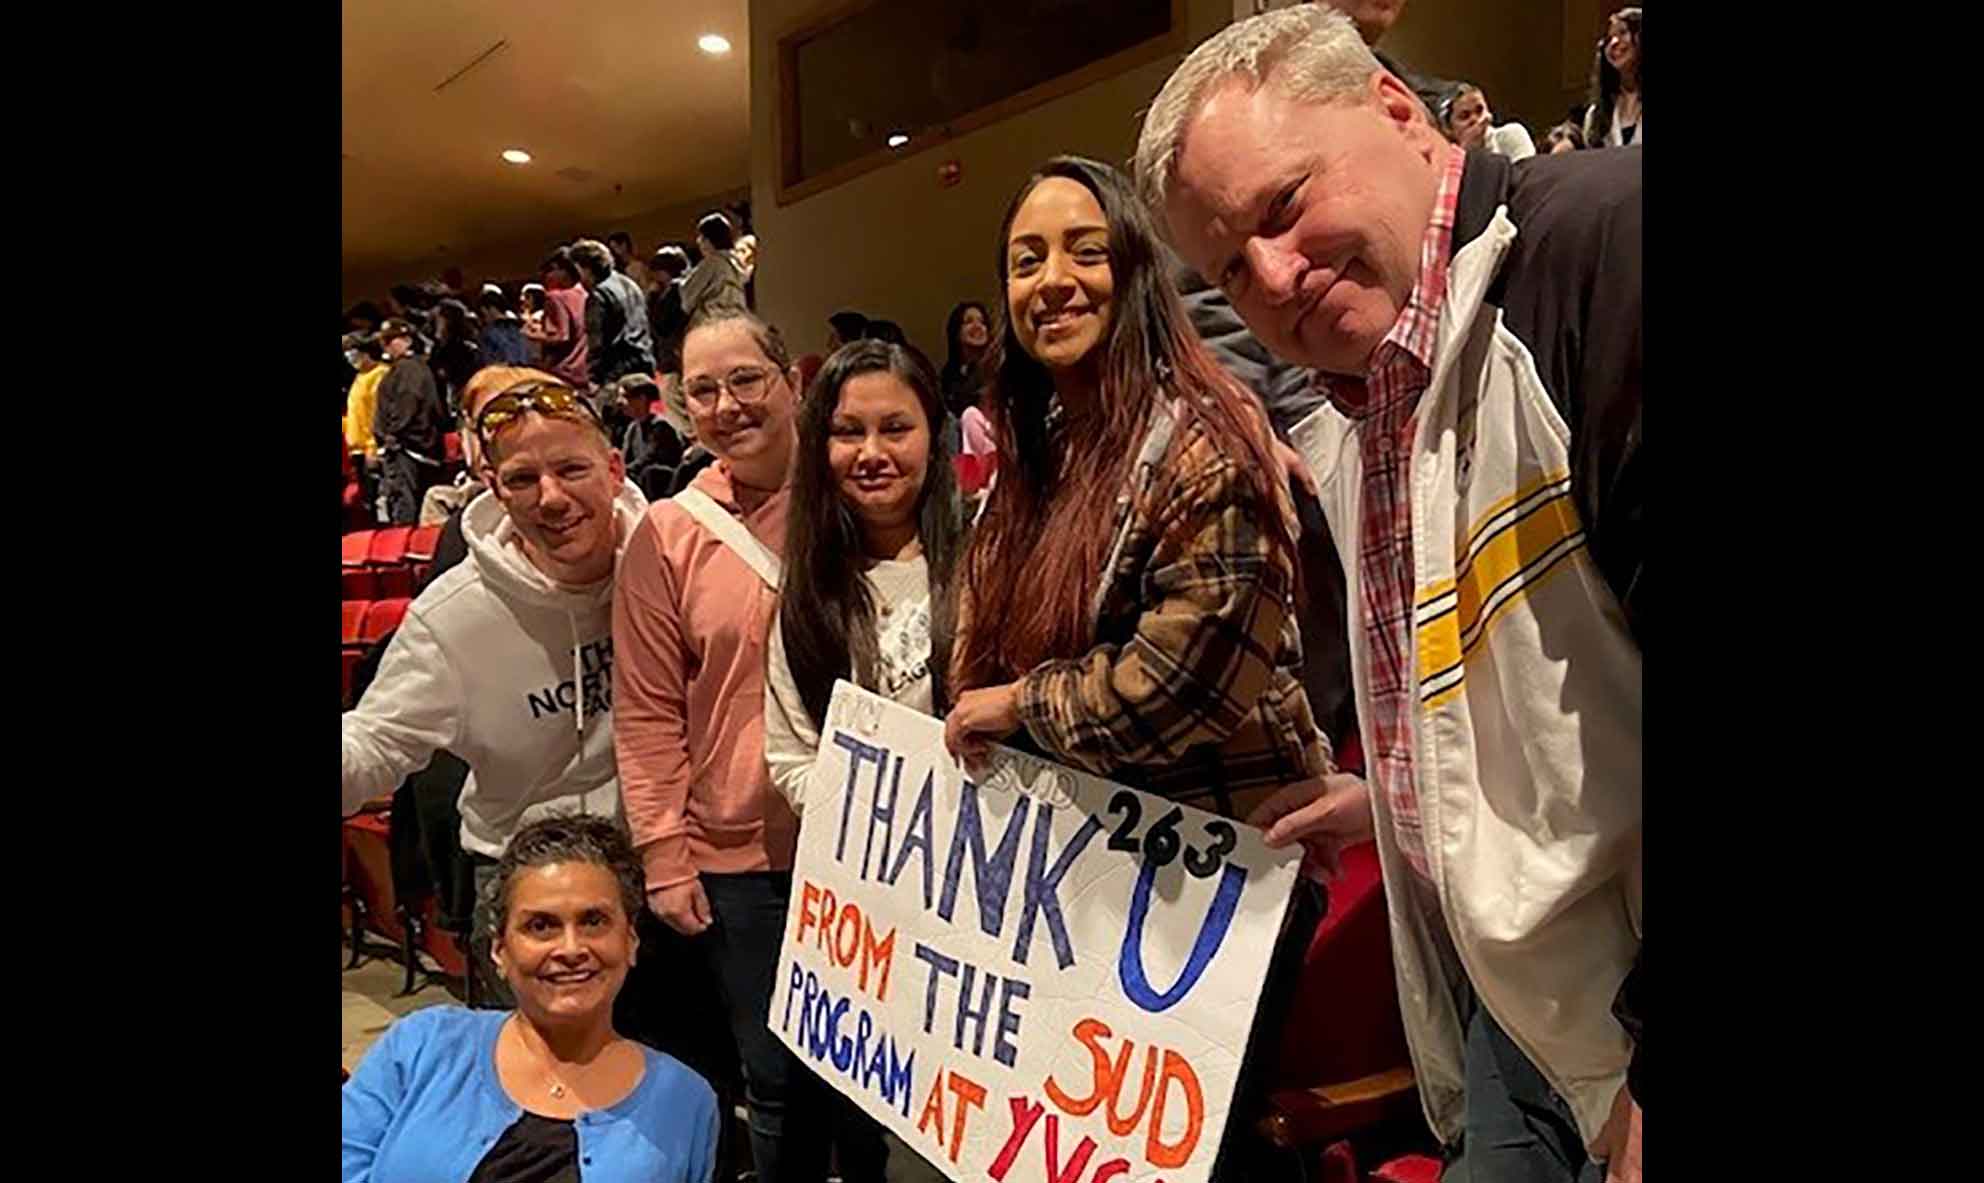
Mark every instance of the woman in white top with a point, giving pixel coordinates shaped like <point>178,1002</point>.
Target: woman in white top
<point>872,535</point>
<point>1471,125</point>
<point>1617,89</point>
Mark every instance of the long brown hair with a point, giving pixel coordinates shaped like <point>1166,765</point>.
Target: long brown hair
<point>826,615</point>
<point>1035,562</point>
<point>1606,83</point>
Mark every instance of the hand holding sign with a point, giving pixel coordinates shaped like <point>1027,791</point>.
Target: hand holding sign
<point>1324,815</point>
<point>1031,975</point>
<point>980,717</point>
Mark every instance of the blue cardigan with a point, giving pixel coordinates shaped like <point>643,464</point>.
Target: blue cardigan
<point>425,1105</point>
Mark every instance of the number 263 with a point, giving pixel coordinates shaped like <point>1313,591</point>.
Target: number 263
<point>1160,844</point>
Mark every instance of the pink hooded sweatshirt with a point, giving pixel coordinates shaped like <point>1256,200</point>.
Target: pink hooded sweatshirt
<point>691,622</point>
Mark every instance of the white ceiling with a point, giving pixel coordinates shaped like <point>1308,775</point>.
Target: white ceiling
<point>616,88</point>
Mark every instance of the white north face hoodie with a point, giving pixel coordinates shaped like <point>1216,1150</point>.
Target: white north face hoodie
<point>506,669</point>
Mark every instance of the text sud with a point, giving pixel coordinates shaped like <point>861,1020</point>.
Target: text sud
<point>1044,978</point>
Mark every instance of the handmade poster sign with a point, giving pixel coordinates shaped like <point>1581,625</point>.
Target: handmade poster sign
<point>1040,977</point>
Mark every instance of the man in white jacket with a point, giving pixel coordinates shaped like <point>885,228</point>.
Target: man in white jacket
<point>506,660</point>
<point>1474,328</point>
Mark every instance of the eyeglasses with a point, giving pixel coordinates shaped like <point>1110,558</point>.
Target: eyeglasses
<point>746,384</point>
<point>537,395</point>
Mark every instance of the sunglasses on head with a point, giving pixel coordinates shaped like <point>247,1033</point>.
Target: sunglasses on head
<point>546,398</point>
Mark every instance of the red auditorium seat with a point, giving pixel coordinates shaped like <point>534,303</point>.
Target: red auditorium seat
<point>420,553</point>
<point>1343,1066</point>
<point>357,545</point>
<point>1347,976</point>
<point>354,619</point>
<point>420,543</point>
<point>355,513</point>
<point>388,561</point>
<point>1339,1165</point>
<point>439,943</point>
<point>451,447</point>
<point>383,618</point>
<point>360,581</point>
<point>975,472</point>
<point>809,368</point>
<point>373,905</point>
<point>1412,1168</point>
<point>353,642</point>
<point>368,839</point>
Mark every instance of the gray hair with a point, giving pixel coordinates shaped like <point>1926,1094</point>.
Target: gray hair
<point>1309,52</point>
<point>563,838</point>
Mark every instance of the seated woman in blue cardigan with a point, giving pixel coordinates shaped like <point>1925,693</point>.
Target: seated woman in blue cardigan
<point>548,1091</point>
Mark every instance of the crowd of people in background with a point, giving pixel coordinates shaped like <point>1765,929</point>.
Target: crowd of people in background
<point>597,317</point>
<point>1610,118</point>
<point>688,533</point>
<point>598,313</point>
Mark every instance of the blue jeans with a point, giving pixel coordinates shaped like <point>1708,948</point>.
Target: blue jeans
<point>1517,1129</point>
<point>795,1116</point>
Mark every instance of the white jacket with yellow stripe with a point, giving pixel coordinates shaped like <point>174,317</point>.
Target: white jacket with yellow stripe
<point>1525,498</point>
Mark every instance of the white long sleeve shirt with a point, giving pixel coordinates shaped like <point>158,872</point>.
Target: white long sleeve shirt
<point>901,591</point>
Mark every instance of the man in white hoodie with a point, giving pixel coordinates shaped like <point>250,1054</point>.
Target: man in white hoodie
<point>506,660</point>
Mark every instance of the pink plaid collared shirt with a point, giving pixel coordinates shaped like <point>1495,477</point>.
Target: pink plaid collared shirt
<point>1388,400</point>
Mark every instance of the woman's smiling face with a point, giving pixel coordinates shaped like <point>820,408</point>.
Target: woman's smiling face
<point>1060,288</point>
<point>878,447</point>
<point>566,941</point>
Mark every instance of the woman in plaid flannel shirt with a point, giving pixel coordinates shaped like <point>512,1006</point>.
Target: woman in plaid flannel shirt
<point>1137,552</point>
<point>1127,601</point>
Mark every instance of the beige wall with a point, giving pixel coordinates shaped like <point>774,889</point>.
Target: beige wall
<point>1519,52</point>
<point>504,261</point>
<point>892,243</point>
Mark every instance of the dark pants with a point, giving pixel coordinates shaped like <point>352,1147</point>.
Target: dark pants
<point>795,1116</point>
<point>366,472</point>
<point>671,1003</point>
<point>402,480</point>
<point>1517,1129</point>
<point>1244,1155</point>
<point>906,1163</point>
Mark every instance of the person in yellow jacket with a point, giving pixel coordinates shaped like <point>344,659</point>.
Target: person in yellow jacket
<point>366,356</point>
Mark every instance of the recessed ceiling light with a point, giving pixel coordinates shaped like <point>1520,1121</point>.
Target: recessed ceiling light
<point>516,156</point>
<point>713,44</point>
<point>897,140</point>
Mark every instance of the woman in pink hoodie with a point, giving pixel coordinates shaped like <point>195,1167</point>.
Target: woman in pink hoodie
<point>692,613</point>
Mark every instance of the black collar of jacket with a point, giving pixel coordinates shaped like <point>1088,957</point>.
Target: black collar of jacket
<point>1484,188</point>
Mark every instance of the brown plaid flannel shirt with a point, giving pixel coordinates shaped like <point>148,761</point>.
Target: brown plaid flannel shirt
<point>1192,689</point>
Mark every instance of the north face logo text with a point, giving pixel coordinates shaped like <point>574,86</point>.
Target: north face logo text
<point>595,682</point>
